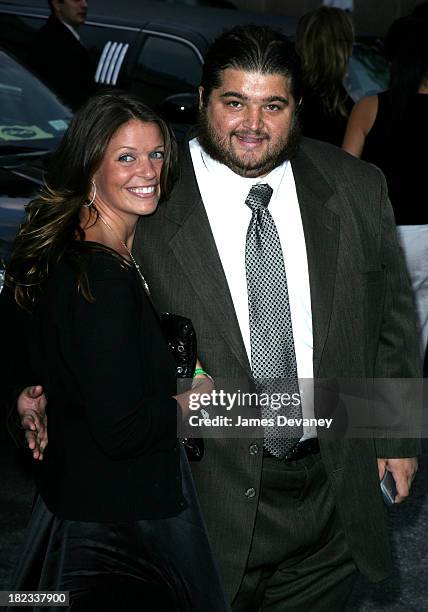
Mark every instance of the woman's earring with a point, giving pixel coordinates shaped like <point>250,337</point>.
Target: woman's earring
<point>92,200</point>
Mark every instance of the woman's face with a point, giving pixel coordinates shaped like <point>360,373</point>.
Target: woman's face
<point>128,179</point>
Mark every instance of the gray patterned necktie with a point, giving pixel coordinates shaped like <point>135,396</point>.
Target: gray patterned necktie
<point>273,356</point>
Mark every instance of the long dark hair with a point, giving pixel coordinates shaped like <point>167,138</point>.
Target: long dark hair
<point>406,48</point>
<point>52,223</point>
<point>324,41</point>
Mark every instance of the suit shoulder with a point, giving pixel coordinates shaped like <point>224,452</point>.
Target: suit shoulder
<point>332,160</point>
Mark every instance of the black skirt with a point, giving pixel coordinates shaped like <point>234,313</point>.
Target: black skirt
<point>158,565</point>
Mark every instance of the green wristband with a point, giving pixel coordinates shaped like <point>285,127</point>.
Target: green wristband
<point>199,371</point>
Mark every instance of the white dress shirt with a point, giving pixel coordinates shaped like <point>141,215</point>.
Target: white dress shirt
<point>223,194</point>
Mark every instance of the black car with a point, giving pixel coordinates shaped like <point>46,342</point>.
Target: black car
<point>32,123</point>
<point>153,49</point>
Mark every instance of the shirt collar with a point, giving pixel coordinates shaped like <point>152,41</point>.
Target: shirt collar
<point>72,30</point>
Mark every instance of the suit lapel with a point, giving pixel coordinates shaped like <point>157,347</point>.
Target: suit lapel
<point>194,248</point>
<point>321,229</point>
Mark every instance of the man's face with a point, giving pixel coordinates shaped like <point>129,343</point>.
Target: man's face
<point>249,123</point>
<point>72,12</point>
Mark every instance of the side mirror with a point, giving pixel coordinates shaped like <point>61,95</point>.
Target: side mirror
<point>180,108</point>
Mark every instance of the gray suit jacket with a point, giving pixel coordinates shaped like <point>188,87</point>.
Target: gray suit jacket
<point>363,326</point>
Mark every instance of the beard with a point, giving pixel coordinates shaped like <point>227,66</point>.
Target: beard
<point>219,147</point>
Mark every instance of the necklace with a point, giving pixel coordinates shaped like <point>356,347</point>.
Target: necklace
<point>136,266</point>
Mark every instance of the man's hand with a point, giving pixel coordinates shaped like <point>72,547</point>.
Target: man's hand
<point>31,407</point>
<point>403,471</point>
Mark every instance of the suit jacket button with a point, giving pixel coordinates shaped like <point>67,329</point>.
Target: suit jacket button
<point>254,449</point>
<point>250,493</point>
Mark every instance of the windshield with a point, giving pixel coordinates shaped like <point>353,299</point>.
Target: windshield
<point>31,116</point>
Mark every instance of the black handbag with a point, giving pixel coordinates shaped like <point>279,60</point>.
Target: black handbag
<point>181,338</point>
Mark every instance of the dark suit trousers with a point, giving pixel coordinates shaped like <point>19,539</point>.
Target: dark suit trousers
<point>299,559</point>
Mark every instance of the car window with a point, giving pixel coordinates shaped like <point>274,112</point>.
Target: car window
<point>165,67</point>
<point>17,33</point>
<point>171,61</point>
<point>31,116</point>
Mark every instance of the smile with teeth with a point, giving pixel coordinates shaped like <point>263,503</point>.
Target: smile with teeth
<point>250,139</point>
<point>143,190</point>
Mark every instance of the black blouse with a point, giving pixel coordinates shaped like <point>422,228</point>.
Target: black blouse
<point>317,123</point>
<point>109,378</point>
<point>398,148</point>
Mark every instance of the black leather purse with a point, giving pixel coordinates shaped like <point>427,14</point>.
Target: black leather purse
<point>181,338</point>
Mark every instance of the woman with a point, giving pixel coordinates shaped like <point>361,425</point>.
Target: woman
<point>390,130</point>
<point>116,522</point>
<point>324,43</point>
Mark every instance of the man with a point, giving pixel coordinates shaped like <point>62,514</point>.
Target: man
<point>58,55</point>
<point>290,526</point>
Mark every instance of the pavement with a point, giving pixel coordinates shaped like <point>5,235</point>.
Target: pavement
<point>405,591</point>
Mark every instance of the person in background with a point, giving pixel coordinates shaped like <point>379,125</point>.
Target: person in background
<point>324,41</point>
<point>117,523</point>
<point>390,130</point>
<point>58,55</point>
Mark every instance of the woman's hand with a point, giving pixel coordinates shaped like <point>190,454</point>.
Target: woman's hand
<point>31,408</point>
